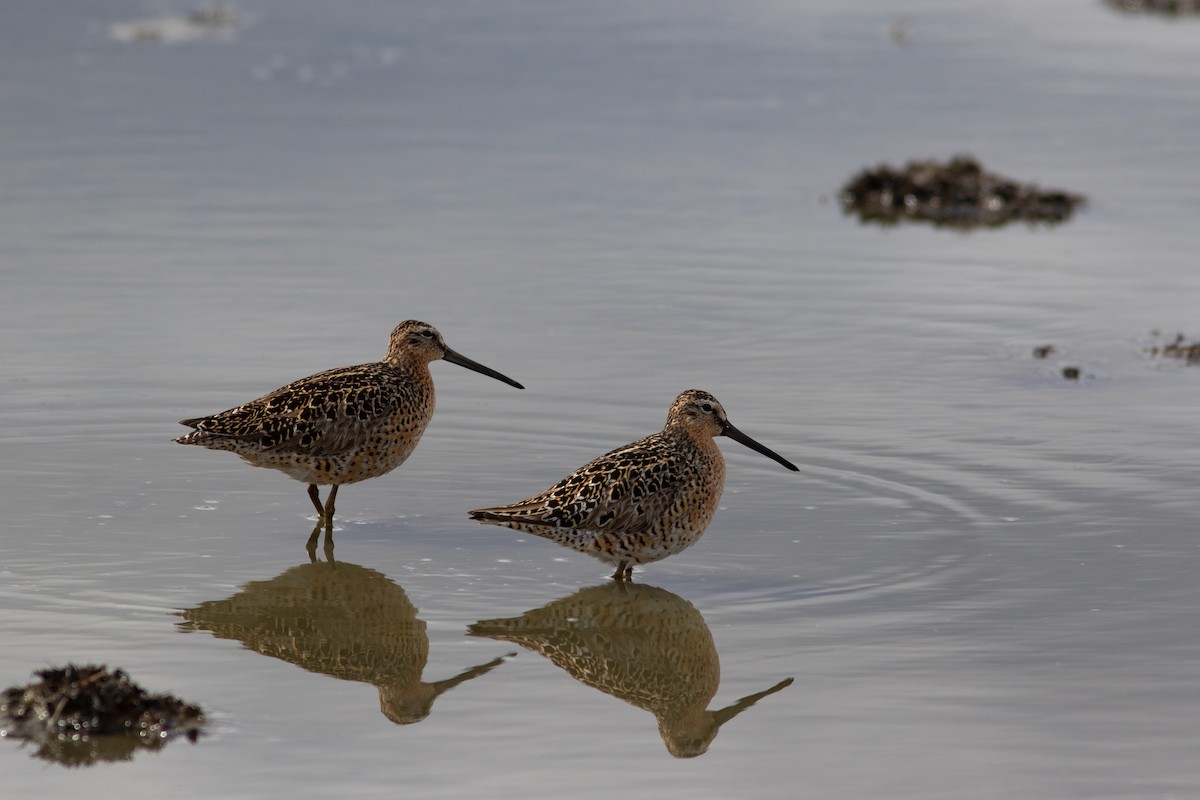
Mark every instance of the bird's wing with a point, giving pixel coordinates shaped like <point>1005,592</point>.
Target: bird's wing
<point>618,491</point>
<point>324,414</point>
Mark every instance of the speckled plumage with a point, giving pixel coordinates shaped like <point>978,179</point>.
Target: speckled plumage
<point>641,502</point>
<point>641,644</point>
<point>343,425</point>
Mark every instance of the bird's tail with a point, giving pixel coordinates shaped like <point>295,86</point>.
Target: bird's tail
<point>519,514</point>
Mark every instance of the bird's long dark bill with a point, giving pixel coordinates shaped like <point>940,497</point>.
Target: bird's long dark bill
<point>738,436</point>
<point>463,361</point>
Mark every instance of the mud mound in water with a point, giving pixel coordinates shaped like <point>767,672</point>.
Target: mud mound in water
<point>955,194</point>
<point>1170,8</point>
<point>1177,348</point>
<point>79,715</point>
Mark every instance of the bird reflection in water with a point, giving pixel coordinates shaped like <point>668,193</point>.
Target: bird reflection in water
<point>341,620</point>
<point>640,643</point>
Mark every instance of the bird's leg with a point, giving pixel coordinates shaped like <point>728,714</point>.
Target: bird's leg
<point>324,519</point>
<point>314,494</point>
<point>623,569</point>
<point>329,506</point>
<point>329,522</point>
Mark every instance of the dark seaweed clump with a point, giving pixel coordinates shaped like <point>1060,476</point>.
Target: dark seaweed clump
<point>1179,348</point>
<point>1170,8</point>
<point>80,715</point>
<point>956,194</point>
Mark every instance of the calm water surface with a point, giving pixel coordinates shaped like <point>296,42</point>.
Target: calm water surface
<point>982,579</point>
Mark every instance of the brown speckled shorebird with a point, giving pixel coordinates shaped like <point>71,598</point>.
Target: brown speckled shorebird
<point>641,502</point>
<point>342,425</point>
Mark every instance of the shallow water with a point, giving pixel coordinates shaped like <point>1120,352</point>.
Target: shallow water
<point>982,579</point>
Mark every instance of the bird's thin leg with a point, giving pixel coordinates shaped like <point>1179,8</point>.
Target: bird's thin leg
<point>314,494</point>
<point>324,519</point>
<point>329,522</point>
<point>622,568</point>
<point>329,505</point>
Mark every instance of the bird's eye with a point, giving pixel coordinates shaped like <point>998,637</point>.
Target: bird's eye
<point>707,407</point>
<point>427,334</point>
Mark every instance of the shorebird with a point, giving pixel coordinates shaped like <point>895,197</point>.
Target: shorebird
<point>343,425</point>
<point>641,502</point>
